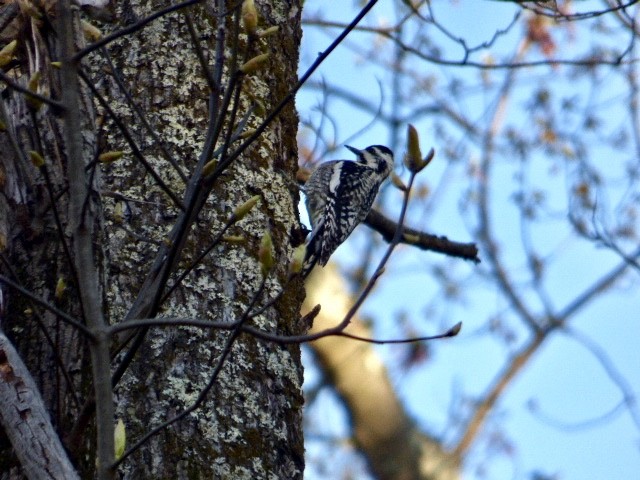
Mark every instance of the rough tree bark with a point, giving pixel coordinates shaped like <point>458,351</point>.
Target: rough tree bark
<point>250,424</point>
<point>36,245</point>
<point>25,419</point>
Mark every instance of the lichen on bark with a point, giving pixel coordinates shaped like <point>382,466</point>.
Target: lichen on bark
<point>250,424</point>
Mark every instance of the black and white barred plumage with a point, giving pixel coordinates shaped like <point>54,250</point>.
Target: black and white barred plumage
<point>340,194</point>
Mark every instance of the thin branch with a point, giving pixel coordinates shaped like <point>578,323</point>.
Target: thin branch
<point>601,420</point>
<point>482,408</point>
<point>10,132</point>
<point>459,40</point>
<point>196,262</point>
<point>592,292</point>
<point>53,344</point>
<point>81,224</point>
<point>628,397</point>
<point>206,71</point>
<point>572,17</point>
<point>167,322</point>
<point>452,332</point>
<point>291,94</point>
<point>129,139</point>
<point>58,108</point>
<point>134,27</point>
<point>141,116</point>
<point>484,229</point>
<point>65,317</point>
<point>59,228</point>
<point>236,330</point>
<point>422,240</point>
<point>465,62</point>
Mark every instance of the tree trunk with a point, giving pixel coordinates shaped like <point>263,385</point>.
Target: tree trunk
<point>249,425</point>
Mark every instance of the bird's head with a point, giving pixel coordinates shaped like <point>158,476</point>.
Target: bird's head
<point>378,157</point>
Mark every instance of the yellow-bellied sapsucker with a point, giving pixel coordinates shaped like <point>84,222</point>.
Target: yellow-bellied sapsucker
<point>339,196</point>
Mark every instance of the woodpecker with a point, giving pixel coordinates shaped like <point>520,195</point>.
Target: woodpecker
<point>340,194</point>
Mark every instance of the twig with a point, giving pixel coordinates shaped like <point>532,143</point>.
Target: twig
<point>197,261</point>
<point>141,116</point>
<point>290,95</point>
<point>65,317</point>
<point>131,28</point>
<point>628,397</point>
<point>425,241</point>
<point>58,108</point>
<point>591,293</point>
<point>132,144</point>
<point>236,330</point>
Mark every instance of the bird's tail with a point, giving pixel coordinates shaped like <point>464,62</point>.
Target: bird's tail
<point>312,255</point>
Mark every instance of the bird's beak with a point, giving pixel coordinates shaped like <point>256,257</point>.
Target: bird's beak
<point>354,150</point>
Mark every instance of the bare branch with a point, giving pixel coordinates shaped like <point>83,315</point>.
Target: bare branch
<point>507,65</point>
<point>290,95</point>
<point>629,399</point>
<point>512,367</point>
<point>46,305</point>
<point>57,106</point>
<point>422,240</point>
<point>131,28</point>
<point>129,139</point>
<point>592,292</point>
<point>236,329</point>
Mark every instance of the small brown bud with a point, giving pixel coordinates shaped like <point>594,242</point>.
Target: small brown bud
<point>61,286</point>
<point>252,65</point>
<point>36,158</point>
<point>108,157</point>
<point>247,133</point>
<point>414,157</point>
<point>259,107</point>
<point>453,331</point>
<point>91,32</point>
<point>428,158</point>
<point>297,259</point>
<point>33,86</point>
<point>269,31</point>
<point>249,16</point>
<point>6,54</point>
<point>27,8</point>
<point>265,254</point>
<point>397,181</point>
<point>241,210</point>
<point>118,212</point>
<point>237,239</point>
<point>119,439</point>
<point>209,168</point>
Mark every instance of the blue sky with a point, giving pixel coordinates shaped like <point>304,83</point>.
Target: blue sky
<point>565,380</point>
